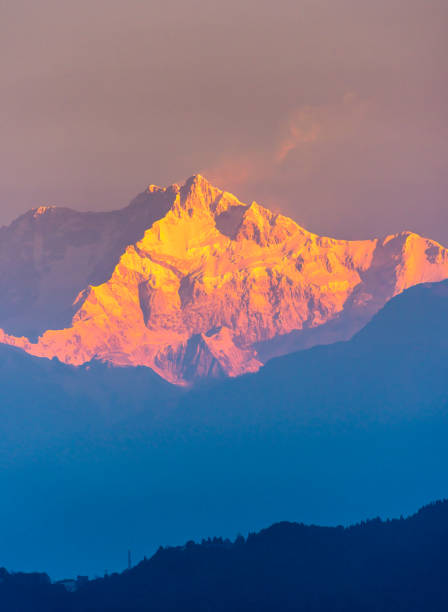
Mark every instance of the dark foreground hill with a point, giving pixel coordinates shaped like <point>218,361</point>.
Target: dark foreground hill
<point>397,565</point>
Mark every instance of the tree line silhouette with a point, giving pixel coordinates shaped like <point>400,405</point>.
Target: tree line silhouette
<point>374,566</point>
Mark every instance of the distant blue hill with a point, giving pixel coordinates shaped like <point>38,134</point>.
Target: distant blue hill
<point>396,367</point>
<point>41,398</point>
<point>122,460</point>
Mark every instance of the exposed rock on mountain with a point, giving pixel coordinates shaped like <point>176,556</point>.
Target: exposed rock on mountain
<point>212,278</point>
<point>393,368</point>
<point>50,254</point>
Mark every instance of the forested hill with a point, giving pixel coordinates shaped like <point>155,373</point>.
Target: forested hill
<point>393,565</point>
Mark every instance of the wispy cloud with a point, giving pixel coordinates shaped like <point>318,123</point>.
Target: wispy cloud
<point>305,132</point>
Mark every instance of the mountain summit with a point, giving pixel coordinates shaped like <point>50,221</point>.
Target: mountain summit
<point>193,283</point>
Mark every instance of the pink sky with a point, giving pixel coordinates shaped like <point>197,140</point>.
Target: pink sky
<point>331,111</point>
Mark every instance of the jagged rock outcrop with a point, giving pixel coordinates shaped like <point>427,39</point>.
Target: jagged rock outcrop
<point>212,278</point>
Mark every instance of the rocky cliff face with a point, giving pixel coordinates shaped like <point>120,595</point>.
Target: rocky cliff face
<point>212,279</point>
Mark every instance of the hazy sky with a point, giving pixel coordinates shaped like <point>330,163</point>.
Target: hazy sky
<point>332,111</point>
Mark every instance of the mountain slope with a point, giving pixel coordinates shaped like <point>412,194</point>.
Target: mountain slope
<point>232,276</point>
<point>395,366</point>
<point>50,254</point>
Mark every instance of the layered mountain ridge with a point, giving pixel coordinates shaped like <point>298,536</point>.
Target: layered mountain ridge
<point>190,282</point>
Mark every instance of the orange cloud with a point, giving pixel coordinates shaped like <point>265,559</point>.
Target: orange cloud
<point>310,124</point>
<point>305,133</point>
<point>304,127</point>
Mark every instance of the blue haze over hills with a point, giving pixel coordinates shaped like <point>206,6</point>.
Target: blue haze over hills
<point>97,460</point>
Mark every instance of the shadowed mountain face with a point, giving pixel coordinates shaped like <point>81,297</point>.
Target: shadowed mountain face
<point>373,566</point>
<point>204,283</point>
<point>50,254</point>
